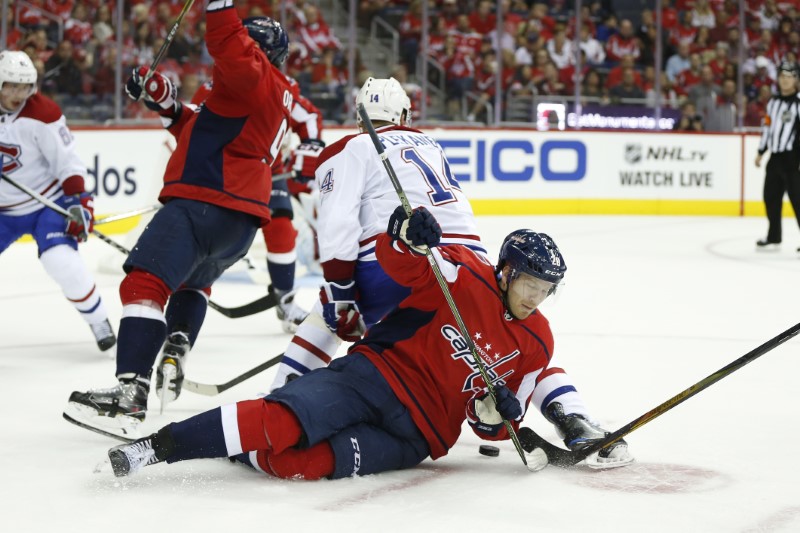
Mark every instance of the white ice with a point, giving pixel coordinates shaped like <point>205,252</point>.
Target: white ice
<point>652,306</point>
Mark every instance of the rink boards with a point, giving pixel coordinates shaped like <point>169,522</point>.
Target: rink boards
<point>507,171</point>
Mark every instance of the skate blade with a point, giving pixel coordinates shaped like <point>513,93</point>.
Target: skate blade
<point>124,428</point>
<point>170,373</point>
<point>595,464</point>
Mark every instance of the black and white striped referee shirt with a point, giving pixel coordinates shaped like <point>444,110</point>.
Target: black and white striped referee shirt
<point>780,127</point>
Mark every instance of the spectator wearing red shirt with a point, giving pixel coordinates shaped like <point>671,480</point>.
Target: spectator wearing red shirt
<point>410,30</point>
<point>689,77</point>
<point>623,43</point>
<point>614,76</point>
<point>460,74</point>
<point>586,22</point>
<point>483,20</point>
<point>315,33</point>
<point>540,22</point>
<point>77,29</point>
<point>683,32</point>
<point>468,40</point>
<point>702,43</point>
<point>720,61</point>
<point>669,15</point>
<point>448,14</point>
<point>60,8</point>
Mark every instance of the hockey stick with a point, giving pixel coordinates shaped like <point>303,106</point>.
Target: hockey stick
<point>362,112</point>
<point>167,41</point>
<point>212,390</point>
<point>565,458</point>
<point>123,216</point>
<point>256,306</point>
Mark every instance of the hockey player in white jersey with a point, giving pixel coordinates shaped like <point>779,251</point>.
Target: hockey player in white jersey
<point>356,200</point>
<point>37,151</point>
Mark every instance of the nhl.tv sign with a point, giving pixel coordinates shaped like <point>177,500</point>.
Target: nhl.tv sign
<point>514,160</point>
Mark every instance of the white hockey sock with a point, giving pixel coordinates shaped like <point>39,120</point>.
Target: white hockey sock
<point>66,267</point>
<point>312,347</point>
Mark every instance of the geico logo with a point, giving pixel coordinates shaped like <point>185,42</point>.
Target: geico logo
<point>516,159</point>
<point>111,181</point>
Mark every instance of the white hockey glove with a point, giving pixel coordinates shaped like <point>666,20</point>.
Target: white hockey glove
<point>486,416</point>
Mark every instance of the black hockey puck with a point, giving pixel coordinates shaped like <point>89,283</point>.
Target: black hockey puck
<point>491,451</point>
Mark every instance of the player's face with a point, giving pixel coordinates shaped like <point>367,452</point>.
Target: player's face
<point>13,95</point>
<point>524,293</point>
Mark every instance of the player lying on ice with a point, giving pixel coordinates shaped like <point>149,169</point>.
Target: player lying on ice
<point>403,392</point>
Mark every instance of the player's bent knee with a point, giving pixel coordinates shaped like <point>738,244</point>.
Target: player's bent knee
<point>313,463</point>
<point>139,286</point>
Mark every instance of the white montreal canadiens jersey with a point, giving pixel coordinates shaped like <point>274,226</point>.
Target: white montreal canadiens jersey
<point>357,197</point>
<point>37,152</point>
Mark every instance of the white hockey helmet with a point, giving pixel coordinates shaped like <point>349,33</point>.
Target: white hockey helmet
<point>384,99</point>
<point>17,67</point>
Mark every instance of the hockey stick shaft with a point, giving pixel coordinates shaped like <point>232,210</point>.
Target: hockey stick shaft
<point>167,41</point>
<point>212,390</point>
<point>563,457</point>
<point>437,273</point>
<point>129,214</point>
<point>262,304</point>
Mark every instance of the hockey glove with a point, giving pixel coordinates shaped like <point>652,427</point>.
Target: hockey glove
<point>486,417</point>
<point>340,311</point>
<point>419,232</point>
<point>160,93</point>
<point>304,159</point>
<point>80,221</point>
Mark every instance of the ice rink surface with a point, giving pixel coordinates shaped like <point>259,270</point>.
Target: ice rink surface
<point>651,306</point>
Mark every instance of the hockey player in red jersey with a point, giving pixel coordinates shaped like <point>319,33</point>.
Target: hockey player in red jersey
<point>216,195</point>
<point>280,236</point>
<point>37,150</point>
<point>403,393</point>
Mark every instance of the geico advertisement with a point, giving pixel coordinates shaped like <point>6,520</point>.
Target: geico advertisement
<point>126,166</point>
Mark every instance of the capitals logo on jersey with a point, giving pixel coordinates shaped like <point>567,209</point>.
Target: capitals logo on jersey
<point>461,350</point>
<point>9,157</point>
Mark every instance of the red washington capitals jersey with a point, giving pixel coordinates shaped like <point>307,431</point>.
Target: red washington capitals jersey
<point>225,150</point>
<point>419,350</point>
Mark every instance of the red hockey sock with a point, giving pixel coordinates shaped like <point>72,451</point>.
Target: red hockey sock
<point>265,425</point>
<point>311,464</point>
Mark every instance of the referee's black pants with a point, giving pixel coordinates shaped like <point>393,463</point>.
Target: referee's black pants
<point>782,176</point>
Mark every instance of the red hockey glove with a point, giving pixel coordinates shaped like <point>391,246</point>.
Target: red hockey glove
<point>80,221</point>
<point>340,311</point>
<point>160,93</point>
<point>304,159</point>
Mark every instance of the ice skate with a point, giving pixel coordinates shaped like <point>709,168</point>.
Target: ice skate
<point>115,412</point>
<point>104,335</point>
<point>171,369</point>
<point>578,432</point>
<point>289,313</point>
<point>128,459</point>
<point>765,245</point>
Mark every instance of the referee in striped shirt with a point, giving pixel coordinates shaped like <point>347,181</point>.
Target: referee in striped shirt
<point>780,136</point>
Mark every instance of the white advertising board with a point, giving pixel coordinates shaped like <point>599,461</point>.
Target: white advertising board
<point>506,171</point>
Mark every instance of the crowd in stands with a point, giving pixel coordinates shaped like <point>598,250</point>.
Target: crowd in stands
<point>73,44</point>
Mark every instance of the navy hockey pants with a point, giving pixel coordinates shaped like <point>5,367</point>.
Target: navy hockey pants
<point>350,404</point>
<point>191,243</point>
